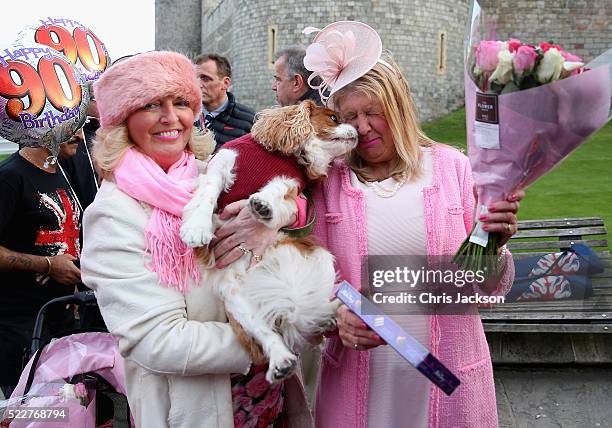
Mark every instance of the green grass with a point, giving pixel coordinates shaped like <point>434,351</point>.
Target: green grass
<point>581,186</point>
<point>449,129</point>
<point>2,157</point>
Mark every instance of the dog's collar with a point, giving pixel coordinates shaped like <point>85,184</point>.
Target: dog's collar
<point>304,231</point>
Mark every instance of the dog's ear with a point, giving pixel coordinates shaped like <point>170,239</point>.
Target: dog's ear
<point>284,129</point>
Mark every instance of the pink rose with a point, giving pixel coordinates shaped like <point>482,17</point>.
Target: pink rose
<point>486,55</point>
<point>279,405</point>
<point>267,420</point>
<point>80,390</point>
<point>576,71</point>
<point>545,46</point>
<point>243,402</point>
<point>258,385</point>
<point>258,410</point>
<point>239,418</point>
<point>570,57</point>
<point>272,396</point>
<point>514,45</point>
<point>524,59</point>
<point>238,389</point>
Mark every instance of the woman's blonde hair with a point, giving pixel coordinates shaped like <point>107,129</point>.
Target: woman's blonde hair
<point>111,143</point>
<point>386,83</point>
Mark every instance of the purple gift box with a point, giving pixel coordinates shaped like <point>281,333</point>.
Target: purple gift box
<point>416,354</point>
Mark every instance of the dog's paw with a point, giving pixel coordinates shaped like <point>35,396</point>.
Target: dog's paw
<point>329,325</point>
<point>281,367</point>
<point>261,209</point>
<point>197,232</point>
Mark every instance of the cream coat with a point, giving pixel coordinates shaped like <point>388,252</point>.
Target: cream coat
<point>178,349</point>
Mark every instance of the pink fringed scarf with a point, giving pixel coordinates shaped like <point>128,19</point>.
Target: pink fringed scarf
<point>142,179</point>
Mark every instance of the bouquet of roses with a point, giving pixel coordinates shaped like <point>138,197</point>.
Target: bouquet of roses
<point>504,67</point>
<point>527,107</point>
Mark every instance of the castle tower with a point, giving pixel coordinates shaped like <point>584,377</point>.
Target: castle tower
<point>178,26</point>
<point>425,37</point>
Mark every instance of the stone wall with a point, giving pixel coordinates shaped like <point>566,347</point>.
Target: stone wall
<point>410,29</point>
<point>217,32</point>
<point>581,27</point>
<point>178,26</point>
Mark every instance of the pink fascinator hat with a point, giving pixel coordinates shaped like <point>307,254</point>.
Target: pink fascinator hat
<point>341,53</point>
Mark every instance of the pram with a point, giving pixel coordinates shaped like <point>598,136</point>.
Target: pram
<point>74,380</point>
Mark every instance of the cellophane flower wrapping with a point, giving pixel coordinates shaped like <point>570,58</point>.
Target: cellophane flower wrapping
<point>545,103</point>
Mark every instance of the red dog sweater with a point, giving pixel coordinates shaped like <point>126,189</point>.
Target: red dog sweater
<point>255,167</point>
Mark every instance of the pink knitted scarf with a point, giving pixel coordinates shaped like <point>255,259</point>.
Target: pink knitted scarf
<point>141,178</point>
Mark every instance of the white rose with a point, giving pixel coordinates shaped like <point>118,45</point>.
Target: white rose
<point>572,65</point>
<point>550,66</point>
<point>503,72</point>
<point>67,392</point>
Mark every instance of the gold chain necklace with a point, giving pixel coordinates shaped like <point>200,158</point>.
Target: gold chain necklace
<point>382,191</point>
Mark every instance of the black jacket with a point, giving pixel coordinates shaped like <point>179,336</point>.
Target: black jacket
<point>233,122</point>
<point>79,168</point>
<point>312,95</point>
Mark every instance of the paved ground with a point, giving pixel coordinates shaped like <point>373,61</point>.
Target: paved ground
<point>554,397</point>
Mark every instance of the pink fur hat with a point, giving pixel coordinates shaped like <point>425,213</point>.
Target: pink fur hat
<point>130,84</point>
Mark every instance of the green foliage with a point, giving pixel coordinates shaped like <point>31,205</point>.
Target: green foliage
<point>580,186</point>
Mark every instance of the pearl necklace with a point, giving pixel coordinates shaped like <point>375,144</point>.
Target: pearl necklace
<point>382,191</point>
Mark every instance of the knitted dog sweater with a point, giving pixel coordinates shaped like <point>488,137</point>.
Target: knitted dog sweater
<point>255,167</point>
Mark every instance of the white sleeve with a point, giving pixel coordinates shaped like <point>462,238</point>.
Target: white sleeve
<point>149,320</point>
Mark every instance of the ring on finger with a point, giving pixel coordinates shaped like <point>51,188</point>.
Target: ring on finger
<point>355,345</point>
<point>244,250</point>
<point>257,257</point>
<point>508,228</point>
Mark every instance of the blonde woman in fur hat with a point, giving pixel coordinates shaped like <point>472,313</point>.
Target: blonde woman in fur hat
<point>179,349</point>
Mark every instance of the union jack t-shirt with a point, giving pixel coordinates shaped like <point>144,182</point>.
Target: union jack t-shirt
<point>38,215</point>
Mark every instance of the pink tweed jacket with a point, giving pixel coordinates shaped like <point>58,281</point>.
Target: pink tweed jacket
<point>457,340</point>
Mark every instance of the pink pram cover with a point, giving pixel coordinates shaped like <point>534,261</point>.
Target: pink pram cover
<point>60,360</point>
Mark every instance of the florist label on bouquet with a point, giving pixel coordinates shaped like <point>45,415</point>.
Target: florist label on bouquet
<point>486,125</point>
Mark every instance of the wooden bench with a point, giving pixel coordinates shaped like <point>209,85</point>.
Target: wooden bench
<point>552,359</point>
<point>592,315</point>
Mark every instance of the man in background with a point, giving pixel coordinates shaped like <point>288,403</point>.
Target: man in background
<point>291,78</point>
<point>221,113</point>
<point>80,169</point>
<point>40,222</point>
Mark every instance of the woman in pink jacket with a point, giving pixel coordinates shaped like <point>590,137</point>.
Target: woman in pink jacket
<point>398,194</point>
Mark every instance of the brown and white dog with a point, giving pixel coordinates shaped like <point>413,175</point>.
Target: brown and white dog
<point>282,301</point>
